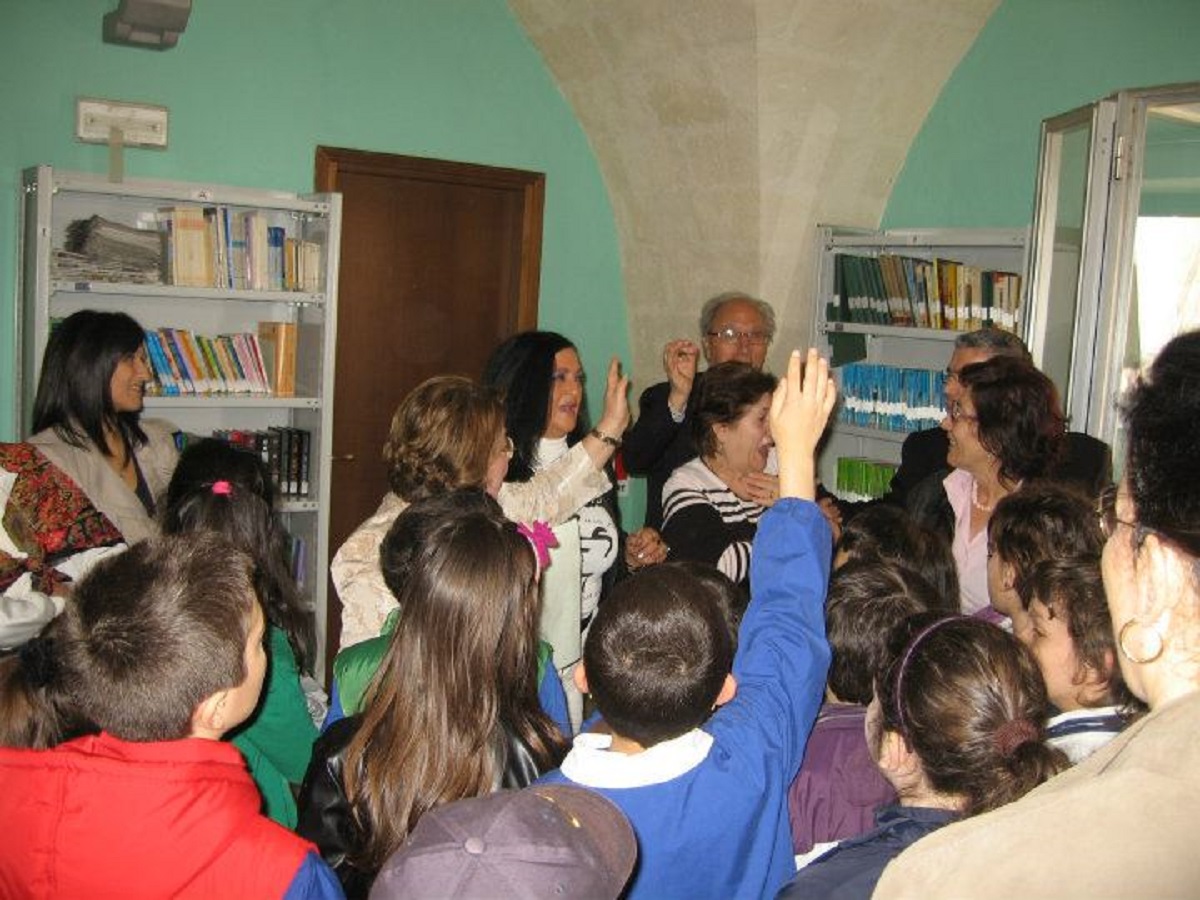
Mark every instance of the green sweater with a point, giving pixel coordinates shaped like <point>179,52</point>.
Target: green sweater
<point>277,740</point>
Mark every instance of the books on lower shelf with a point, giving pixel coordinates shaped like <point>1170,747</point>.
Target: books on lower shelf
<point>939,293</point>
<point>186,363</point>
<point>890,398</point>
<point>859,480</point>
<point>222,247</point>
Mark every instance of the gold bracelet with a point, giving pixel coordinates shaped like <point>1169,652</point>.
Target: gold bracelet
<point>606,438</point>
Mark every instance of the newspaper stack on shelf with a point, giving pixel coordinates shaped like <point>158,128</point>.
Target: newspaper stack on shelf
<point>98,249</point>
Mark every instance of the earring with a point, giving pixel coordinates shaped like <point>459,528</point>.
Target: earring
<point>1156,645</point>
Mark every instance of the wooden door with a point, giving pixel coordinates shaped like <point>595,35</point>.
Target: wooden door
<point>439,262</point>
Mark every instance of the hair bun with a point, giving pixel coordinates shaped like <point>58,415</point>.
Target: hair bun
<point>1012,734</point>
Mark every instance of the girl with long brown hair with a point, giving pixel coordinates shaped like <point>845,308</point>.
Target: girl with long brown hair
<point>453,710</point>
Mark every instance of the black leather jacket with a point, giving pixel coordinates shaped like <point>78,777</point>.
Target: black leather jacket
<point>325,817</point>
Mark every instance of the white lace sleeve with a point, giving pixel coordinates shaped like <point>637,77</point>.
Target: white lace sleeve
<point>366,600</point>
<point>558,491</point>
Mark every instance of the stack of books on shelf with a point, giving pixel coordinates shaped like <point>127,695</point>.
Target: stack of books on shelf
<point>98,249</point>
<point>922,293</point>
<point>186,363</point>
<point>890,398</point>
<point>859,480</point>
<point>220,247</point>
<point>285,451</point>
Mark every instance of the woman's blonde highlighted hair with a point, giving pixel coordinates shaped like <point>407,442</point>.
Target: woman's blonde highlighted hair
<point>442,437</point>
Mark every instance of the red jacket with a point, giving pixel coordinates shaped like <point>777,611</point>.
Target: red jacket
<point>102,817</point>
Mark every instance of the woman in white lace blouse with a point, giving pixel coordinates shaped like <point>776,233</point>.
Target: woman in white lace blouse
<point>448,433</point>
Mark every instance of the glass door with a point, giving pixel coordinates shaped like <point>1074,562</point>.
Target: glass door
<point>1069,223</point>
<point>1115,252</point>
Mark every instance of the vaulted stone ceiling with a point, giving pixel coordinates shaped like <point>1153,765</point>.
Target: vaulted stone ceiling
<point>726,130</point>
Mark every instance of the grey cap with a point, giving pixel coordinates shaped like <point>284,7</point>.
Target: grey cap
<point>549,840</point>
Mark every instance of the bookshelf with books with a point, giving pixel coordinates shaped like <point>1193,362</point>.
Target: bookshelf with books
<point>889,305</point>
<point>236,289</point>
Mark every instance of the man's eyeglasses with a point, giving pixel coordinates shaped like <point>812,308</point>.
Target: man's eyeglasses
<point>956,414</point>
<point>733,336</point>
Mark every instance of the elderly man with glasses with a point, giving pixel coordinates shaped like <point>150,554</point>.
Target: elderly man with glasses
<point>733,326</point>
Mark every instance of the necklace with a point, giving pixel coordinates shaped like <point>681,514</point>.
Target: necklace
<point>975,499</point>
<point>987,508</point>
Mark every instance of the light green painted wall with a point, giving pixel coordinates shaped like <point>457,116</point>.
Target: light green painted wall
<point>974,162</point>
<point>255,85</point>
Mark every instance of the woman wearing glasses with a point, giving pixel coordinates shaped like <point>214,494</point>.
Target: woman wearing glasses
<point>1122,823</point>
<point>1004,428</point>
<point>449,433</point>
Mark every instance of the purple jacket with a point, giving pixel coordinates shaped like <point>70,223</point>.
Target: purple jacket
<point>838,788</point>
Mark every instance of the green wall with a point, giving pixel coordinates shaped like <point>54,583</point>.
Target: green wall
<point>974,162</point>
<point>255,85</point>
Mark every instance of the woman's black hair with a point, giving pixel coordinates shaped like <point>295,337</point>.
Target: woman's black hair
<point>1162,418</point>
<point>222,488</point>
<point>74,392</point>
<point>522,368</point>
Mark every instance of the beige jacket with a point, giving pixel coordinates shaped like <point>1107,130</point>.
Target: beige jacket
<point>553,495</point>
<point>90,470</point>
<point>1123,823</point>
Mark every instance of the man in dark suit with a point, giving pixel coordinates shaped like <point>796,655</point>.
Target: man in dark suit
<point>1086,463</point>
<point>733,326</point>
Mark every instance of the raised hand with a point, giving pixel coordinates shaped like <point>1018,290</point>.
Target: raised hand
<point>680,359</point>
<point>615,419</point>
<point>800,409</point>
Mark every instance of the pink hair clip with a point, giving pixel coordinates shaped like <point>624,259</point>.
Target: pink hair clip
<point>222,487</point>
<point>540,538</point>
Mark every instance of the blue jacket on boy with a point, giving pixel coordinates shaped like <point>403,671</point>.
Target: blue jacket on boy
<point>710,807</point>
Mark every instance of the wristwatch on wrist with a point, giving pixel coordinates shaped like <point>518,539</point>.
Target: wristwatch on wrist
<point>606,438</point>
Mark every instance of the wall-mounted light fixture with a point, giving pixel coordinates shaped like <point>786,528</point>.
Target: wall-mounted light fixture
<point>153,24</point>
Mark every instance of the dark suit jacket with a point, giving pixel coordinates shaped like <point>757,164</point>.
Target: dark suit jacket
<point>1087,463</point>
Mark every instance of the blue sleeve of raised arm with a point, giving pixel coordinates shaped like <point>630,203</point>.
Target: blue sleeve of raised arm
<point>783,656</point>
<point>314,881</point>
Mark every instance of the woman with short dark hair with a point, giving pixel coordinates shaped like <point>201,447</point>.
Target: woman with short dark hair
<point>705,517</point>
<point>87,418</point>
<point>1005,429</point>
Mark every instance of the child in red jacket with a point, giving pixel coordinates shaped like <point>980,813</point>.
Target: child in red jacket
<point>161,648</point>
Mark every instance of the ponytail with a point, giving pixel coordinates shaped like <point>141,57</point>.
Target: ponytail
<point>968,699</point>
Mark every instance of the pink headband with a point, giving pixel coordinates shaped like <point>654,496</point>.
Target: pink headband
<point>540,538</point>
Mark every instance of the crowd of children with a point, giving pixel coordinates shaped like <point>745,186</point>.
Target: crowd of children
<point>156,735</point>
